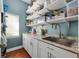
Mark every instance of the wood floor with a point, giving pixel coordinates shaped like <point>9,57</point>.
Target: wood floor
<point>20,53</point>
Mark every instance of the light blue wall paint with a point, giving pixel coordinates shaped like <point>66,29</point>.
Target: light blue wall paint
<point>1,5</point>
<point>73,29</point>
<point>52,30</point>
<point>64,28</point>
<point>17,7</point>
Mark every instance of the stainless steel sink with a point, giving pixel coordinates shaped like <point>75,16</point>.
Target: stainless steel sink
<point>53,39</point>
<point>66,42</point>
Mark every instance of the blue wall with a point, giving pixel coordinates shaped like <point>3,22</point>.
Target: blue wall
<point>71,31</point>
<point>17,7</point>
<point>1,6</point>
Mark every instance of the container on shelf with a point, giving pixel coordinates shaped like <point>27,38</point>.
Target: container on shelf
<point>73,11</point>
<point>29,22</point>
<point>61,15</point>
<point>72,8</point>
<point>50,18</point>
<point>33,31</point>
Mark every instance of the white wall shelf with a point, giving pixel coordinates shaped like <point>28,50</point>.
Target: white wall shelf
<point>72,18</point>
<point>56,5</point>
<point>59,20</point>
<point>64,19</point>
<point>27,1</point>
<point>43,11</point>
<point>34,16</point>
<point>35,7</point>
<point>71,2</point>
<point>31,25</point>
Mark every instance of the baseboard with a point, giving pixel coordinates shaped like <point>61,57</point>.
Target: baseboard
<point>14,48</point>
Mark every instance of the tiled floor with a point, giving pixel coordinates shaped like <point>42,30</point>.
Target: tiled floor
<point>20,53</point>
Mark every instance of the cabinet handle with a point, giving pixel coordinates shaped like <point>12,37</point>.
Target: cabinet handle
<point>53,56</point>
<point>31,43</point>
<point>48,55</point>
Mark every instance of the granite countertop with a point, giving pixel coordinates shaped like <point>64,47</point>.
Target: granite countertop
<point>73,49</point>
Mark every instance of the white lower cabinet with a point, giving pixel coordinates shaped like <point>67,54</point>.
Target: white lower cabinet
<point>30,45</point>
<point>39,49</point>
<point>25,42</point>
<point>55,52</point>
<point>42,50</point>
<point>35,48</point>
<point>50,51</point>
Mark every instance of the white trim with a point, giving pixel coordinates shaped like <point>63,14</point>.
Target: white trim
<point>14,48</point>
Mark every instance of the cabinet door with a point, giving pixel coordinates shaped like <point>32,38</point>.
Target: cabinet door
<point>24,42</point>
<point>29,47</point>
<point>55,52</point>
<point>42,50</point>
<point>50,53</point>
<point>35,47</point>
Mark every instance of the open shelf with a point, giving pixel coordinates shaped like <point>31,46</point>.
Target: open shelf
<point>72,18</point>
<point>57,4</point>
<point>34,16</point>
<point>29,25</point>
<point>43,11</point>
<point>71,2</point>
<point>59,20</point>
<point>43,23</point>
<point>64,19</point>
